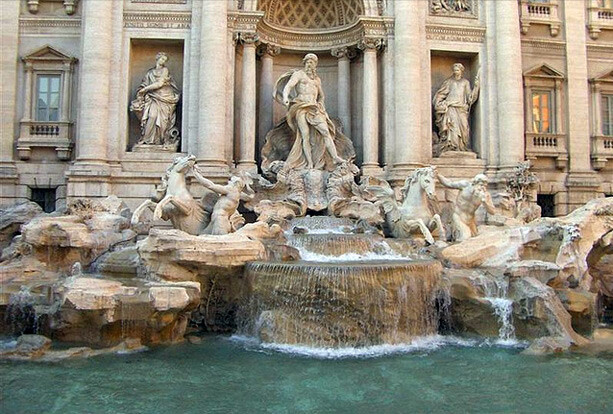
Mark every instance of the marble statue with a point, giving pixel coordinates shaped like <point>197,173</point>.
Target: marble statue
<point>303,96</point>
<point>416,212</point>
<point>156,106</point>
<point>225,218</point>
<point>350,200</point>
<point>452,104</point>
<point>174,202</point>
<point>306,138</point>
<point>215,213</point>
<point>472,195</point>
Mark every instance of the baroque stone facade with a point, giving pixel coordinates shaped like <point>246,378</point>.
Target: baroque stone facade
<point>546,89</point>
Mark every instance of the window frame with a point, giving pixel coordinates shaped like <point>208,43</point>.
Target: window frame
<point>36,108</point>
<point>606,97</point>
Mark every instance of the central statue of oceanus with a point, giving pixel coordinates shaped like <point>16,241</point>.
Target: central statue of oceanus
<point>306,139</point>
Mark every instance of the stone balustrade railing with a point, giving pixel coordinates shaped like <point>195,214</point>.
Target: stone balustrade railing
<point>547,146</point>
<point>540,13</point>
<point>36,134</point>
<point>602,151</point>
<point>598,19</point>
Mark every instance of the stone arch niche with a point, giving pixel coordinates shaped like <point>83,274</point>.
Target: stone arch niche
<point>311,14</point>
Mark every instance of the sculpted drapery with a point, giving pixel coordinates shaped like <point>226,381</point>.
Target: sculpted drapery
<point>452,104</point>
<point>156,105</point>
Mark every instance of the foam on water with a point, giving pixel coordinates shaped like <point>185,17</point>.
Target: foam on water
<point>420,344</point>
<point>349,257</point>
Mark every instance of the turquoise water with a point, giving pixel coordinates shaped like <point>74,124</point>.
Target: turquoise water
<point>223,375</point>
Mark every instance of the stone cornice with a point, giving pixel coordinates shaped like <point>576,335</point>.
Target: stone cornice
<point>244,21</point>
<point>36,25</point>
<point>366,27</point>
<point>544,46</point>
<point>157,20</point>
<point>455,33</point>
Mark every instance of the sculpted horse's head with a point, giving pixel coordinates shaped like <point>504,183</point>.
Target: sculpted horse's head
<point>425,177</point>
<point>182,164</point>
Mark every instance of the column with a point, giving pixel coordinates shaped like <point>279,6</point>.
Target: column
<point>509,84</point>
<point>410,48</point>
<point>246,160</point>
<point>582,183</point>
<point>577,83</point>
<point>95,74</point>
<point>370,108</point>
<point>229,149</point>
<point>344,87</point>
<point>9,30</point>
<point>267,84</point>
<point>210,147</point>
<point>27,99</point>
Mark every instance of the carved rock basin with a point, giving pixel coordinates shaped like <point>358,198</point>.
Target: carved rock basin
<point>340,305</point>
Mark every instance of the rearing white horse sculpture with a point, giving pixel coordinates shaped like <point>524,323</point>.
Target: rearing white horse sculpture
<point>414,213</point>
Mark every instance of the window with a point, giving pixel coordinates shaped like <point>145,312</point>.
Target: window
<point>607,115</point>
<point>45,198</point>
<point>606,4</point>
<point>547,204</point>
<point>48,98</point>
<point>541,112</point>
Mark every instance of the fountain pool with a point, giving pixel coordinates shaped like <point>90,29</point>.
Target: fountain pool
<point>230,375</point>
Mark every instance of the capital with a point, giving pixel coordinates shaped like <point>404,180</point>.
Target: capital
<point>369,43</point>
<point>343,52</point>
<point>249,38</point>
<point>269,49</point>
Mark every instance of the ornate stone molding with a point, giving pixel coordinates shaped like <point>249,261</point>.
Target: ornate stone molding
<point>547,47</point>
<point>454,8</point>
<point>244,21</point>
<point>343,52</point>
<point>455,33</point>
<point>248,38</point>
<point>160,1</point>
<point>29,25</point>
<point>346,36</point>
<point>269,49</point>
<point>155,20</point>
<point>371,43</point>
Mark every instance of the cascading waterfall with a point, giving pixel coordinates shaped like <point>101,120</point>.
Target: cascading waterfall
<point>496,293</point>
<point>356,304</point>
<point>21,315</point>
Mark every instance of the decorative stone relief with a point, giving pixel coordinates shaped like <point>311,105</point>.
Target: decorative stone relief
<point>155,106</point>
<point>459,8</point>
<point>311,14</point>
<point>153,20</point>
<point>269,49</point>
<point>452,103</point>
<point>70,6</point>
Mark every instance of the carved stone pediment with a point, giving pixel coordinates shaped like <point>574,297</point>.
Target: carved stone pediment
<point>543,71</point>
<point>606,77</point>
<point>48,53</point>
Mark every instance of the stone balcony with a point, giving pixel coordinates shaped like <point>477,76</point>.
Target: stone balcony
<point>547,146</point>
<point>539,13</point>
<point>35,134</point>
<point>598,19</point>
<point>602,151</point>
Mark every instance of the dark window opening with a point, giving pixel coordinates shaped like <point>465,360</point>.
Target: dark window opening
<point>44,197</point>
<point>547,204</point>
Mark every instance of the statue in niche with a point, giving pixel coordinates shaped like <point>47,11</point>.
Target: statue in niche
<point>306,139</point>
<point>452,104</point>
<point>472,195</point>
<point>156,107</point>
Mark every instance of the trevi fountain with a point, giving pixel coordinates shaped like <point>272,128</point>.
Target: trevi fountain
<point>312,286</point>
